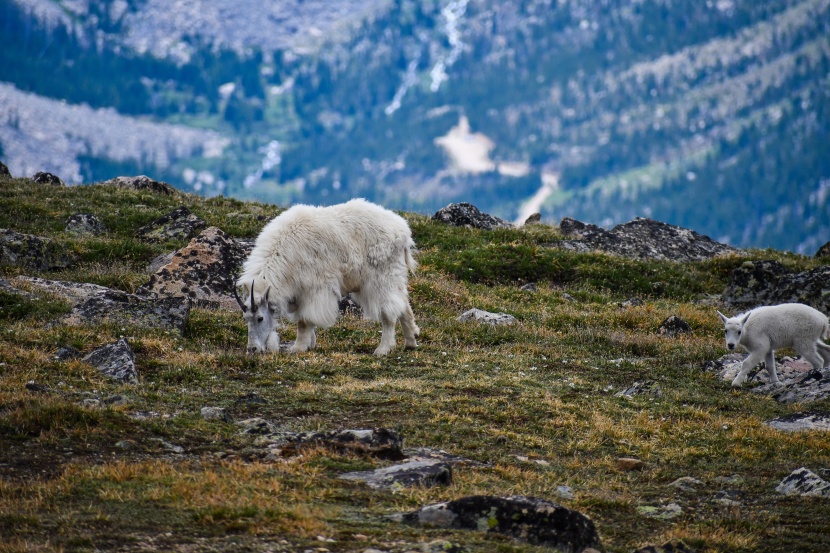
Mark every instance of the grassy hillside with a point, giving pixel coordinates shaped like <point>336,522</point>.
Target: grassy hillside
<point>97,477</point>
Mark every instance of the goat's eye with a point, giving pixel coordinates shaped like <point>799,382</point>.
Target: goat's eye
<point>259,319</point>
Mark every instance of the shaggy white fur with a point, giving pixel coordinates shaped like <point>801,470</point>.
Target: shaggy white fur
<point>763,330</point>
<point>308,258</point>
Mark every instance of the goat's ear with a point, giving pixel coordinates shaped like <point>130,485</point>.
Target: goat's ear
<point>723,317</point>
<point>745,318</point>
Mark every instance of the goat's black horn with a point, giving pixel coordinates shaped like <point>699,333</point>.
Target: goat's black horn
<point>253,305</point>
<point>239,301</point>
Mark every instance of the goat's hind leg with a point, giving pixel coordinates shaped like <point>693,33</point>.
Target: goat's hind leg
<point>387,337</point>
<point>306,337</point>
<point>769,361</point>
<point>824,352</point>
<point>810,355</point>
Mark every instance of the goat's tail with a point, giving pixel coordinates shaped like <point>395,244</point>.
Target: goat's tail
<point>408,250</point>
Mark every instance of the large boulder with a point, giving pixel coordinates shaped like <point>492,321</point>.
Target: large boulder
<point>642,239</point>
<point>143,183</point>
<point>467,215</point>
<point>533,520</point>
<point>130,309</point>
<point>805,483</point>
<point>33,252</point>
<point>202,271</point>
<point>179,224</point>
<point>770,283</point>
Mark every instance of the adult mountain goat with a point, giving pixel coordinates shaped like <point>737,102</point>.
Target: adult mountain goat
<point>308,258</point>
<point>766,329</point>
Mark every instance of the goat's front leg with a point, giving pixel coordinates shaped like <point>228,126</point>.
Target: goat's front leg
<point>769,361</point>
<point>749,363</point>
<point>306,338</point>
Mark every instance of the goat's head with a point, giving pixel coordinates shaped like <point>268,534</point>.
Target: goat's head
<point>733,329</point>
<point>262,321</point>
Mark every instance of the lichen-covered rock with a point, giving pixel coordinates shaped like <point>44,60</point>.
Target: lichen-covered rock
<point>673,326</point>
<point>530,519</point>
<point>202,271</point>
<point>130,309</point>
<point>47,178</point>
<point>808,387</point>
<point>116,361</point>
<point>800,422</point>
<point>799,383</point>
<point>648,387</point>
<point>425,473</point>
<point>804,482</point>
<point>642,239</point>
<point>33,252</point>
<point>467,215</point>
<point>770,283</point>
<point>143,183</point>
<point>83,224</point>
<point>4,171</point>
<point>179,224</point>
<point>481,316</point>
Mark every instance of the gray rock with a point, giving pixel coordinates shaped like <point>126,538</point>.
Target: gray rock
<point>116,361</point>
<point>426,453</point>
<point>130,309</point>
<point>631,302</point>
<point>770,283</point>
<point>33,252</point>
<point>67,353</point>
<point>215,413</point>
<point>179,224</point>
<point>467,215</point>
<point>805,483</point>
<point>533,520</point>
<point>529,287</point>
<point>4,171</point>
<point>642,239</point>
<point>425,473</point>
<point>173,448</point>
<point>565,492</point>
<point>673,326</point>
<point>824,251</point>
<point>568,297</point>
<point>203,271</point>
<point>799,422</point>
<point>787,368</point>
<point>647,387</point>
<point>160,261</point>
<point>532,219</point>
<point>85,224</point>
<point>686,483</point>
<point>74,292</point>
<point>256,426</point>
<point>250,399</point>
<point>142,183</point>
<point>481,316</point>
<point>47,178</point>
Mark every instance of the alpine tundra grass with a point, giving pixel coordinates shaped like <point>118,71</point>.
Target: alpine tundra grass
<point>535,401</point>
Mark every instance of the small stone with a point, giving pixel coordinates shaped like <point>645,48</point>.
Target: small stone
<point>535,218</point>
<point>142,183</point>
<point>674,326</point>
<point>427,474</point>
<point>481,316</point>
<point>179,224</point>
<point>568,297</point>
<point>565,492</point>
<point>215,413</point>
<point>630,464</point>
<point>805,483</point>
<point>529,287</point>
<point>124,444</point>
<point>67,353</point>
<point>467,215</point>
<point>641,388</point>
<point>85,224</point>
<point>686,483</point>
<point>664,512</point>
<point>116,361</point>
<point>631,302</point>
<point>256,426</point>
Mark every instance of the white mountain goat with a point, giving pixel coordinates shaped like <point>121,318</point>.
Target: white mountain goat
<point>763,330</point>
<point>308,258</point>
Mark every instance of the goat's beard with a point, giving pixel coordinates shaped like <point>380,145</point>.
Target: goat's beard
<point>273,342</point>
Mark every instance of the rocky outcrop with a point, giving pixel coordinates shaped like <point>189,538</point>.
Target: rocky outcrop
<point>4,171</point>
<point>799,383</point>
<point>47,178</point>
<point>641,239</point>
<point>770,283</point>
<point>800,422</point>
<point>143,183</point>
<point>179,224</point>
<point>824,251</point>
<point>116,361</point>
<point>467,215</point>
<point>85,224</point>
<point>382,443</point>
<point>481,316</point>
<point>804,482</point>
<point>131,310</point>
<point>533,520</point>
<point>203,271</point>
<point>33,252</point>
<point>74,292</point>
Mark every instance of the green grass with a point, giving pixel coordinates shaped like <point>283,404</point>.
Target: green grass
<point>76,478</point>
